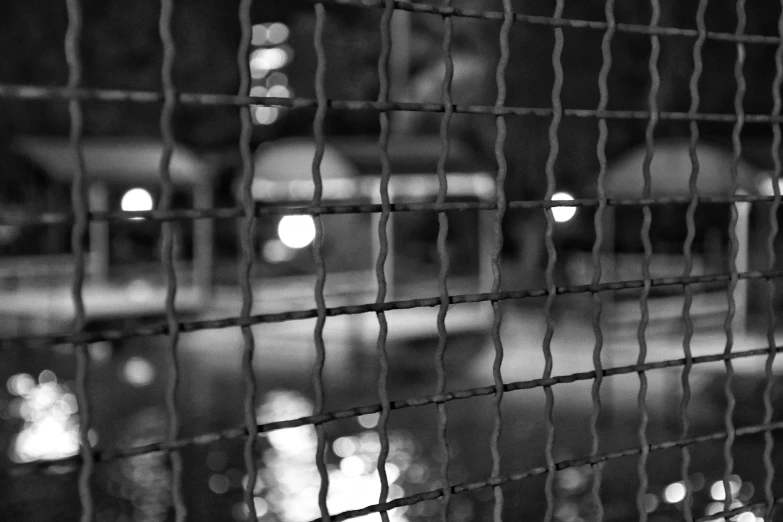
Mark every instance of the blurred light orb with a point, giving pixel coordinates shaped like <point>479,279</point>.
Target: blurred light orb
<point>650,502</point>
<point>746,517</point>
<point>277,78</point>
<point>352,466</point>
<point>345,447</point>
<point>718,492</point>
<point>138,371</point>
<point>674,493</point>
<point>20,384</point>
<point>258,91</point>
<point>218,484</point>
<point>136,199</point>
<point>296,231</point>
<point>275,251</point>
<point>563,214</point>
<point>266,115</point>
<point>268,59</point>
<point>277,33</point>
<point>259,34</point>
<point>279,91</point>
<point>369,421</point>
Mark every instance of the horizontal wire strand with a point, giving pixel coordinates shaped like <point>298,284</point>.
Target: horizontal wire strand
<point>49,218</point>
<point>294,315</point>
<point>36,92</point>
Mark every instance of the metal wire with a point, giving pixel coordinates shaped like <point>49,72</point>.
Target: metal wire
<point>500,199</point>
<point>603,136</point>
<point>315,420</point>
<point>318,245</point>
<point>734,248</point>
<point>383,251</point>
<point>698,67</point>
<point>247,233</point>
<point>167,249</point>
<point>35,92</point>
<point>248,210</point>
<point>655,83</point>
<point>554,149</point>
<point>473,486</point>
<point>78,235</point>
<point>49,218</point>
<point>443,262</point>
<point>769,468</point>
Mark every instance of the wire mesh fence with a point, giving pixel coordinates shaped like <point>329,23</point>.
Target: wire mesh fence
<point>248,213</point>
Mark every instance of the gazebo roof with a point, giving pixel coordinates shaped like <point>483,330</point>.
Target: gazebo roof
<point>132,160</point>
<point>671,169</point>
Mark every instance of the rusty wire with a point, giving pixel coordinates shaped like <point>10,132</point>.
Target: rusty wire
<point>318,255</point>
<point>769,469</point>
<point>78,234</point>
<point>383,252</point>
<point>698,67</point>
<point>501,203</point>
<point>603,135</point>
<point>167,249</point>
<point>246,235</point>
<point>49,218</point>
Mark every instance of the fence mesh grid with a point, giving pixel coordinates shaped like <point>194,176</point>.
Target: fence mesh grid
<point>248,211</point>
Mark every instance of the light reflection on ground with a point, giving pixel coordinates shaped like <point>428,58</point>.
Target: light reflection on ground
<point>49,412</point>
<point>289,481</point>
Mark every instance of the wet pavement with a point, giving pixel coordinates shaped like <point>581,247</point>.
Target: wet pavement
<point>128,383</point>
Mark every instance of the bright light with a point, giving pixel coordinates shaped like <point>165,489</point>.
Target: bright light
<point>296,231</point>
<point>277,33</point>
<point>258,91</point>
<point>266,115</point>
<point>674,493</point>
<point>746,517</point>
<point>563,214</point>
<point>138,371</point>
<point>20,384</point>
<point>136,199</point>
<point>717,491</point>
<point>352,466</point>
<point>345,446</point>
<point>265,60</point>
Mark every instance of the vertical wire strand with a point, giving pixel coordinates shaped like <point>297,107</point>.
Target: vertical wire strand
<point>554,149</point>
<point>769,442</point>
<point>603,136</point>
<point>167,247</point>
<point>734,247</point>
<point>645,235</point>
<point>443,258</point>
<point>318,247</point>
<point>78,236</point>
<point>383,251</point>
<point>500,196</point>
<point>690,214</point>
<point>247,232</point>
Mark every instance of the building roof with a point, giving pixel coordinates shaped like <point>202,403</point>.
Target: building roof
<point>132,160</point>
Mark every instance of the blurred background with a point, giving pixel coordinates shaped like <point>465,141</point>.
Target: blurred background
<point>125,283</point>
